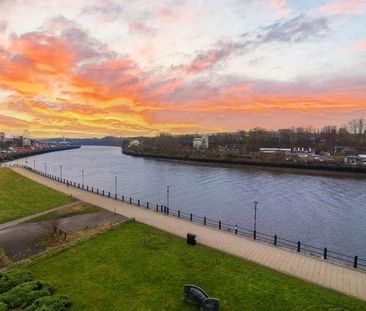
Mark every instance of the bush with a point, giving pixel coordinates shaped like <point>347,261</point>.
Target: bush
<point>3,306</point>
<point>10,279</point>
<point>25,294</point>
<point>50,303</point>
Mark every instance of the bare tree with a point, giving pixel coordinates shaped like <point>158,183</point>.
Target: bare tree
<point>357,126</point>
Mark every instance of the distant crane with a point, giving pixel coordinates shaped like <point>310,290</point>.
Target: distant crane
<point>62,135</point>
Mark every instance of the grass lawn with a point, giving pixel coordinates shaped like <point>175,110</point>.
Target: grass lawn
<point>136,267</point>
<point>21,197</point>
<point>77,209</point>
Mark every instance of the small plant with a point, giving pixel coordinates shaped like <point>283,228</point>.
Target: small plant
<point>10,279</point>
<point>25,294</point>
<point>50,303</point>
<point>3,306</point>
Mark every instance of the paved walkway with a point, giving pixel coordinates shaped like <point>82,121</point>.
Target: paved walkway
<point>342,279</point>
<point>24,219</point>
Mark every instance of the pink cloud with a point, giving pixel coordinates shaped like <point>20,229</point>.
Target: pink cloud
<point>344,7</point>
<point>281,7</point>
<point>358,46</point>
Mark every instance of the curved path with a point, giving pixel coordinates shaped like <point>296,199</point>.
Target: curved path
<point>346,280</point>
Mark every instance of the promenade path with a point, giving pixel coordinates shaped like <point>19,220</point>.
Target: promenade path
<point>339,278</point>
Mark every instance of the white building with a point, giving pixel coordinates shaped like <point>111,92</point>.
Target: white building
<point>134,143</point>
<point>275,150</point>
<point>200,143</point>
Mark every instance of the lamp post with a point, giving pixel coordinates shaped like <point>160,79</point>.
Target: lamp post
<point>115,186</point>
<point>61,171</point>
<point>82,178</point>
<point>255,219</point>
<point>45,167</point>
<point>167,196</point>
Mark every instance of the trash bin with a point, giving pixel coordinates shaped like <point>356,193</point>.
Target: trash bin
<point>191,239</point>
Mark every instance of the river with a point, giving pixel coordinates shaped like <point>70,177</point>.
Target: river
<point>321,210</point>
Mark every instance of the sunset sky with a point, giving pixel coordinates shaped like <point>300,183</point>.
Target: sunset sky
<point>130,68</point>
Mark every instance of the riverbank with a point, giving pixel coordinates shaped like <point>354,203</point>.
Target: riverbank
<point>254,163</point>
<point>5,157</point>
<point>311,269</point>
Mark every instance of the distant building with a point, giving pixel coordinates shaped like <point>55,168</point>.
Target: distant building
<point>275,150</point>
<point>303,152</point>
<point>2,137</point>
<point>354,160</point>
<point>200,143</point>
<point>134,143</point>
<point>362,158</point>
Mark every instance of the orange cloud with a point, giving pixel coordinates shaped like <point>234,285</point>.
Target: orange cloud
<point>66,79</point>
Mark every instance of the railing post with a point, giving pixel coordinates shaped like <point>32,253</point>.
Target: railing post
<point>79,186</point>
<point>147,204</point>
<point>275,239</point>
<point>167,210</point>
<point>191,217</point>
<point>92,189</point>
<point>236,229</point>
<point>103,193</point>
<point>220,225</point>
<point>130,200</point>
<point>157,207</point>
<point>355,262</point>
<point>164,209</point>
<point>178,213</point>
<point>123,198</point>
<point>325,253</point>
<point>138,202</point>
<point>97,191</point>
<point>161,208</point>
<point>255,234</point>
<point>115,196</point>
<point>109,194</point>
<point>298,246</point>
<point>87,188</point>
<point>204,221</point>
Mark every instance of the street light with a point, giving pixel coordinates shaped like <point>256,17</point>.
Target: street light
<point>255,219</point>
<point>115,186</point>
<point>61,171</point>
<point>82,178</point>
<point>167,196</point>
<point>45,167</point>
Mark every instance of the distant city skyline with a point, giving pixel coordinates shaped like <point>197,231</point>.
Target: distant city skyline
<point>130,68</point>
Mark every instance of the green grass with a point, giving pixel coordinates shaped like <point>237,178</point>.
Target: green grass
<point>21,197</point>
<point>136,267</point>
<point>77,209</point>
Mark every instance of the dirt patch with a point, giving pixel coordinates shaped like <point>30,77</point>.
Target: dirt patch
<point>27,239</point>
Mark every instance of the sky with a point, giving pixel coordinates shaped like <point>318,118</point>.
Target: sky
<point>91,68</point>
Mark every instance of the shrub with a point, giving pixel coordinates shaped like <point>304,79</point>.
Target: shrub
<point>3,306</point>
<point>50,303</point>
<point>25,294</point>
<point>10,279</point>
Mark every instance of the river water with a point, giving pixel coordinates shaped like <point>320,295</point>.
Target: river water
<point>324,211</point>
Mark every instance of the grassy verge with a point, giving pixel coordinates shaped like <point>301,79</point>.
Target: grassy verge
<point>77,209</point>
<point>136,267</point>
<point>21,197</point>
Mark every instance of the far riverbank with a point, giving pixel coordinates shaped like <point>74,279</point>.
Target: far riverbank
<point>314,167</point>
<point>14,156</point>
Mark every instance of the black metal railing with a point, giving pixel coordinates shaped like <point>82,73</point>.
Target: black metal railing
<point>298,246</point>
